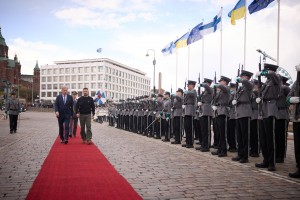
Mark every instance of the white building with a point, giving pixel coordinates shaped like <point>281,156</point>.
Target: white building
<point>116,80</point>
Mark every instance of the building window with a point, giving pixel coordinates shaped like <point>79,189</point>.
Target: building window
<point>93,93</point>
<point>100,77</point>
<point>55,94</point>
<point>80,78</point>
<point>93,69</point>
<point>67,70</point>
<point>87,69</point>
<point>44,72</point>
<point>43,94</point>
<point>80,86</point>
<point>55,71</point>
<point>109,78</point>
<point>106,69</point>
<point>61,70</point>
<point>86,85</point>
<point>49,94</point>
<point>100,68</point>
<point>43,79</point>
<point>87,77</point>
<point>61,79</point>
<point>80,69</point>
<point>49,79</point>
<point>73,77</point>
<point>73,85</point>
<point>93,86</point>
<point>67,78</point>
<point>93,77</point>
<point>55,79</point>
<point>43,86</point>
<point>55,86</point>
<point>49,87</point>
<point>74,70</point>
<point>49,71</point>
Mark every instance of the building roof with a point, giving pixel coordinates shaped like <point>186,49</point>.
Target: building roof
<point>2,40</point>
<point>101,60</point>
<point>36,66</point>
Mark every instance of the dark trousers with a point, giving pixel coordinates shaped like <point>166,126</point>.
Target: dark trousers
<point>74,122</point>
<point>13,122</point>
<point>216,133</point>
<point>159,128</point>
<point>131,122</point>
<point>150,128</point>
<point>267,140</point>
<point>63,120</point>
<point>254,148</point>
<point>205,131</point>
<point>243,134</point>
<point>296,130</point>
<point>188,127</point>
<point>197,129</point>
<point>126,120</point>
<point>221,122</point>
<point>140,124</point>
<point>280,138</point>
<point>231,134</point>
<point>144,126</point>
<point>176,128</point>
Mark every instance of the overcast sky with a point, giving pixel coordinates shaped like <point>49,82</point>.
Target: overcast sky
<point>54,30</point>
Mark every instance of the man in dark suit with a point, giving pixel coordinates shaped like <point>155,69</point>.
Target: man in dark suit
<point>63,112</point>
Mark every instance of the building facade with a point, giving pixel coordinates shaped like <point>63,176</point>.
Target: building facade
<point>115,80</point>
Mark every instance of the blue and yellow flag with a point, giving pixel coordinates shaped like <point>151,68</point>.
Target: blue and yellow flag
<point>258,5</point>
<point>182,42</point>
<point>238,11</point>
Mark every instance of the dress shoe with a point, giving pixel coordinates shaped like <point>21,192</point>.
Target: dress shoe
<point>295,175</point>
<point>204,150</point>
<point>279,160</point>
<point>66,142</point>
<point>271,168</point>
<point>197,142</point>
<point>244,160</point>
<point>83,142</point>
<point>232,150</point>
<point>198,148</point>
<point>70,136</point>
<point>15,131</point>
<point>222,154</point>
<point>254,155</point>
<point>261,165</point>
<point>89,142</point>
<point>61,141</point>
<point>236,158</point>
<point>175,142</point>
<point>166,140</point>
<point>189,146</point>
<point>215,153</point>
<point>10,132</point>
<point>184,145</point>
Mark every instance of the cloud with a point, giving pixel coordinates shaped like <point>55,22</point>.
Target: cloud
<point>106,13</point>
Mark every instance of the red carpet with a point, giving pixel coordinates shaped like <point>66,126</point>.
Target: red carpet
<point>79,171</point>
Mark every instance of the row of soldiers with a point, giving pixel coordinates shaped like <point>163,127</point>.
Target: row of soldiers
<point>247,117</point>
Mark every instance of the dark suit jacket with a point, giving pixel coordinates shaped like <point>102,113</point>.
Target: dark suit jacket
<point>64,109</point>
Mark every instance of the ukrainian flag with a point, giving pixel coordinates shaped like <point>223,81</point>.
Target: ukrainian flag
<point>238,11</point>
<point>182,42</point>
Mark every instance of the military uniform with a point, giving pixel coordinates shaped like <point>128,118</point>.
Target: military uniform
<point>190,104</point>
<point>268,102</point>
<point>243,114</point>
<point>282,122</point>
<point>151,115</point>
<point>166,117</point>
<point>231,133</point>
<point>145,116</point>
<point>221,108</point>
<point>158,127</point>
<point>177,117</point>
<point>12,109</point>
<point>205,114</point>
<point>254,127</point>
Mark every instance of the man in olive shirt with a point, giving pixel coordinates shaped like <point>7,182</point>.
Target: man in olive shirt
<point>84,107</point>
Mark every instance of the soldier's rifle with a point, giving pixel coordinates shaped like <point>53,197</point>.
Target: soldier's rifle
<point>259,88</point>
<point>237,87</point>
<point>296,106</point>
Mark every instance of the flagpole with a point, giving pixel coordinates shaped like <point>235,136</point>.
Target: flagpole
<point>176,65</point>
<point>188,75</point>
<point>278,28</point>
<point>245,35</point>
<point>203,53</point>
<point>221,43</point>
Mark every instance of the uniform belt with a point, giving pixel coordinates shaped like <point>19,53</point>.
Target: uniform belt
<point>243,103</point>
<point>13,109</point>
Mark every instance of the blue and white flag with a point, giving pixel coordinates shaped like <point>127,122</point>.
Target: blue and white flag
<point>100,98</point>
<point>99,50</point>
<point>168,49</point>
<point>195,34</point>
<point>212,26</point>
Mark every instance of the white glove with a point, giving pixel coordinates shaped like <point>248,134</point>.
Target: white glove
<point>214,108</point>
<point>199,103</point>
<point>197,111</point>
<point>183,106</point>
<point>147,110</point>
<point>154,112</point>
<point>294,100</point>
<point>136,110</point>
<point>258,100</point>
<point>298,68</point>
<point>172,109</point>
<point>234,102</point>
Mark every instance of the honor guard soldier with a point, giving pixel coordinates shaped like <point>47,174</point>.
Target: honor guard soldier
<point>189,106</point>
<point>140,114</point>
<point>145,117</point>
<point>222,114</point>
<point>158,128</point>
<point>205,114</point>
<point>13,108</point>
<point>131,110</point>
<point>135,114</point>
<point>166,117</point>
<point>127,114</point>
<point>242,103</point>
<point>177,116</point>
<point>293,98</point>
<point>282,121</point>
<point>254,127</point>
<point>269,111</point>
<point>151,115</point>
<point>231,133</point>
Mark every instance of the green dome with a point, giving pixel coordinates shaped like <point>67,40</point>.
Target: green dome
<point>2,40</point>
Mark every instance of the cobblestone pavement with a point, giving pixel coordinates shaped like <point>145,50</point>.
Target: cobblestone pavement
<point>155,169</point>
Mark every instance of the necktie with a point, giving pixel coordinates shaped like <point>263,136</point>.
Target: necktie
<point>64,99</point>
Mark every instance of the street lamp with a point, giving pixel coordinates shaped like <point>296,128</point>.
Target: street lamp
<point>154,63</point>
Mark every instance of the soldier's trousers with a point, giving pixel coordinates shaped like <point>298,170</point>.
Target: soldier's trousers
<point>243,134</point>
<point>188,127</point>
<point>267,140</point>
<point>150,128</point>
<point>176,128</point>
<point>130,122</point>
<point>126,121</point>
<point>197,129</point>
<point>216,133</point>
<point>231,134</point>
<point>296,130</point>
<point>159,128</point>
<point>221,126</point>
<point>254,148</point>
<point>165,128</point>
<point>144,126</point>
<point>205,131</point>
<point>140,121</point>
<point>280,138</point>
<point>13,122</point>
